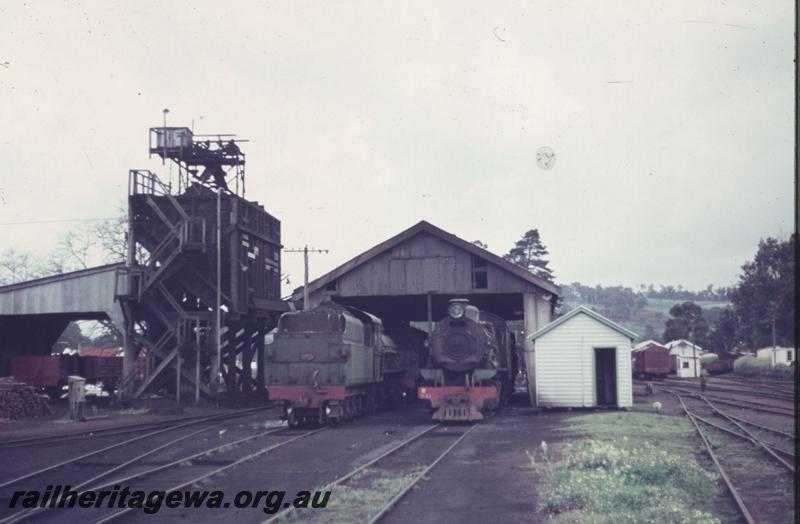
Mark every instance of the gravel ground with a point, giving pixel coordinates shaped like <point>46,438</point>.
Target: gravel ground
<point>488,477</point>
<point>101,418</point>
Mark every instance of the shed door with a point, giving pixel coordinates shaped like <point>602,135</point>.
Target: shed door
<point>605,376</point>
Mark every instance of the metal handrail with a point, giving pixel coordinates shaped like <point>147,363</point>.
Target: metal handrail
<point>145,182</point>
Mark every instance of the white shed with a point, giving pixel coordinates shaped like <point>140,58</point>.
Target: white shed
<point>778,355</point>
<point>686,367</point>
<point>686,358</point>
<point>583,359</point>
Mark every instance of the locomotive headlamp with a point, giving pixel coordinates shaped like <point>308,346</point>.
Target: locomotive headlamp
<point>456,310</point>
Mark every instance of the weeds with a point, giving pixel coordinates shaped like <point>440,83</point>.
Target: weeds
<point>613,479</point>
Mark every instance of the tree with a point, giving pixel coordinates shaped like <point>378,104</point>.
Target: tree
<point>15,266</point>
<point>112,235</point>
<point>650,333</point>
<point>102,333</point>
<point>72,338</point>
<point>724,337</point>
<point>687,322</point>
<point>764,297</point>
<point>529,252</point>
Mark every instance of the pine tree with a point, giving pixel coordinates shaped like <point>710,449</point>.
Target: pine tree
<point>529,252</point>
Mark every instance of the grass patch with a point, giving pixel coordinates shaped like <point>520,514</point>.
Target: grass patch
<point>625,467</point>
<point>359,499</point>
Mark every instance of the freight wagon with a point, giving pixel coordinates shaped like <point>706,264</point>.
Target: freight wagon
<point>651,361</point>
<point>722,364</point>
<point>50,372</point>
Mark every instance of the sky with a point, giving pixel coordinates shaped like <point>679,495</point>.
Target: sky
<point>672,123</point>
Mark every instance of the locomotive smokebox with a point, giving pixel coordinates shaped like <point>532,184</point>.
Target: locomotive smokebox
<point>460,341</point>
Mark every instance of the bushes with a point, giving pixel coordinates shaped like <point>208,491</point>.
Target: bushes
<point>708,358</point>
<point>750,366</point>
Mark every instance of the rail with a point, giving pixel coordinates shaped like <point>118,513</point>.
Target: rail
<point>216,471</point>
<point>344,478</point>
<point>215,419</point>
<point>731,488</point>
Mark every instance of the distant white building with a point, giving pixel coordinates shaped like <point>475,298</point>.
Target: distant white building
<point>646,343</point>
<point>582,359</point>
<point>685,357</point>
<point>778,355</point>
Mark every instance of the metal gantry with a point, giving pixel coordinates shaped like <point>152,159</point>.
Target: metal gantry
<point>201,285</point>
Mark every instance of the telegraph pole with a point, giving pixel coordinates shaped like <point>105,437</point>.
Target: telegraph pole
<point>306,250</point>
<point>217,366</point>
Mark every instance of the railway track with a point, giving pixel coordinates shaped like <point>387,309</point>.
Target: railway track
<point>742,404</point>
<point>713,385</point>
<point>210,460</point>
<point>209,421</point>
<point>784,387</point>
<point>400,461</point>
<point>734,388</point>
<point>783,438</point>
<point>729,436</point>
<point>116,431</point>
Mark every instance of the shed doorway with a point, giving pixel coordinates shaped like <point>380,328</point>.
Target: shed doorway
<point>605,375</point>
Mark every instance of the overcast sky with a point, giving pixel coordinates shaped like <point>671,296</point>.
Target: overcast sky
<point>672,124</point>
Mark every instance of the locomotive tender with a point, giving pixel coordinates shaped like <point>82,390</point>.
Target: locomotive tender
<point>472,364</point>
<point>332,363</point>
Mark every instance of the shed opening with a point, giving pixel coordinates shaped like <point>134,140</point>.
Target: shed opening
<point>480,278</point>
<point>605,362</point>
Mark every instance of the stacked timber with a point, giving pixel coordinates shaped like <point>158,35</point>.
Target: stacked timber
<point>19,400</point>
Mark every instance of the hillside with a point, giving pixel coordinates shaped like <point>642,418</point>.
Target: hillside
<point>648,321</point>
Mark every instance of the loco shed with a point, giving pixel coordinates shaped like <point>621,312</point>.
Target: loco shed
<point>412,276</point>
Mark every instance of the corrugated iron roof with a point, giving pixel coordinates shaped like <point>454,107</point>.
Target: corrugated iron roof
<point>424,226</point>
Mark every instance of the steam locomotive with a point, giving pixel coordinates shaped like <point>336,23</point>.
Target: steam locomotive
<point>472,364</point>
<point>332,363</point>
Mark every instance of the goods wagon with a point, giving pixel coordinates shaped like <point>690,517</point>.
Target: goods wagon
<point>652,361</point>
<point>723,364</point>
<point>51,372</point>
